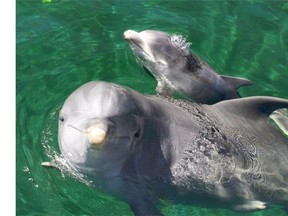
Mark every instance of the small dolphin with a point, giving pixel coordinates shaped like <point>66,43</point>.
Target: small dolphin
<point>174,66</point>
<point>141,148</point>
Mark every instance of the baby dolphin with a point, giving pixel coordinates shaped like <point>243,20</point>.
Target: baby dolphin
<point>141,148</point>
<point>175,67</point>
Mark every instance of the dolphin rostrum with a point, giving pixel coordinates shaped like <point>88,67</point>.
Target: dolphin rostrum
<point>175,67</point>
<point>142,148</point>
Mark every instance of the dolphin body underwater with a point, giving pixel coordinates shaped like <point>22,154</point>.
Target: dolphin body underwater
<point>143,148</point>
<point>176,68</point>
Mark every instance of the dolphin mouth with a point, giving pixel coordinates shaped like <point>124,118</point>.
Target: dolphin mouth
<point>135,46</point>
<point>139,51</point>
<point>96,134</point>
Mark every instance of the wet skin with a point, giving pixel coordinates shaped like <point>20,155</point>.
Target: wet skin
<point>176,68</point>
<point>141,148</point>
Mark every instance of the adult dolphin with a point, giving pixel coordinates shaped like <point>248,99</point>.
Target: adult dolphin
<point>175,67</point>
<point>141,148</point>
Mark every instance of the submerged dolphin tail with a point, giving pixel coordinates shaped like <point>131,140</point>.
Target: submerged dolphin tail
<point>236,82</point>
<point>254,106</point>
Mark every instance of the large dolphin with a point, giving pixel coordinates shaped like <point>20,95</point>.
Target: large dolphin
<point>141,148</point>
<point>175,67</point>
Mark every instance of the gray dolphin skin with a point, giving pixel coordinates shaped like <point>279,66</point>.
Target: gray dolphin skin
<point>142,148</point>
<point>280,117</point>
<point>169,59</point>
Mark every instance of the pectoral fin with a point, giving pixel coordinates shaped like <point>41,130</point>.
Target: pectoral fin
<point>280,117</point>
<point>49,164</point>
<point>250,206</point>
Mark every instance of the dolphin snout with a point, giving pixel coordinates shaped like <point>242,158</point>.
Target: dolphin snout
<point>96,135</point>
<point>133,36</point>
<point>129,34</point>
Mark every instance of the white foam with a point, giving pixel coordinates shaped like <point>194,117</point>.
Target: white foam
<point>180,42</point>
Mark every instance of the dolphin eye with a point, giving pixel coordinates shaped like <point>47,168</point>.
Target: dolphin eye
<point>61,119</point>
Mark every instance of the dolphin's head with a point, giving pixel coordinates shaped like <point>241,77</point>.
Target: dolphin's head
<point>99,128</point>
<point>158,50</point>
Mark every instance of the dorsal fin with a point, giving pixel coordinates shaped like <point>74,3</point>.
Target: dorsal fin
<point>236,82</point>
<point>253,106</point>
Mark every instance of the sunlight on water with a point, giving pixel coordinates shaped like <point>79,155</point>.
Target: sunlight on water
<point>63,44</point>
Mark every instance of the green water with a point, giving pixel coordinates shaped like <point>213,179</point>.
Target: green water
<point>63,44</point>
